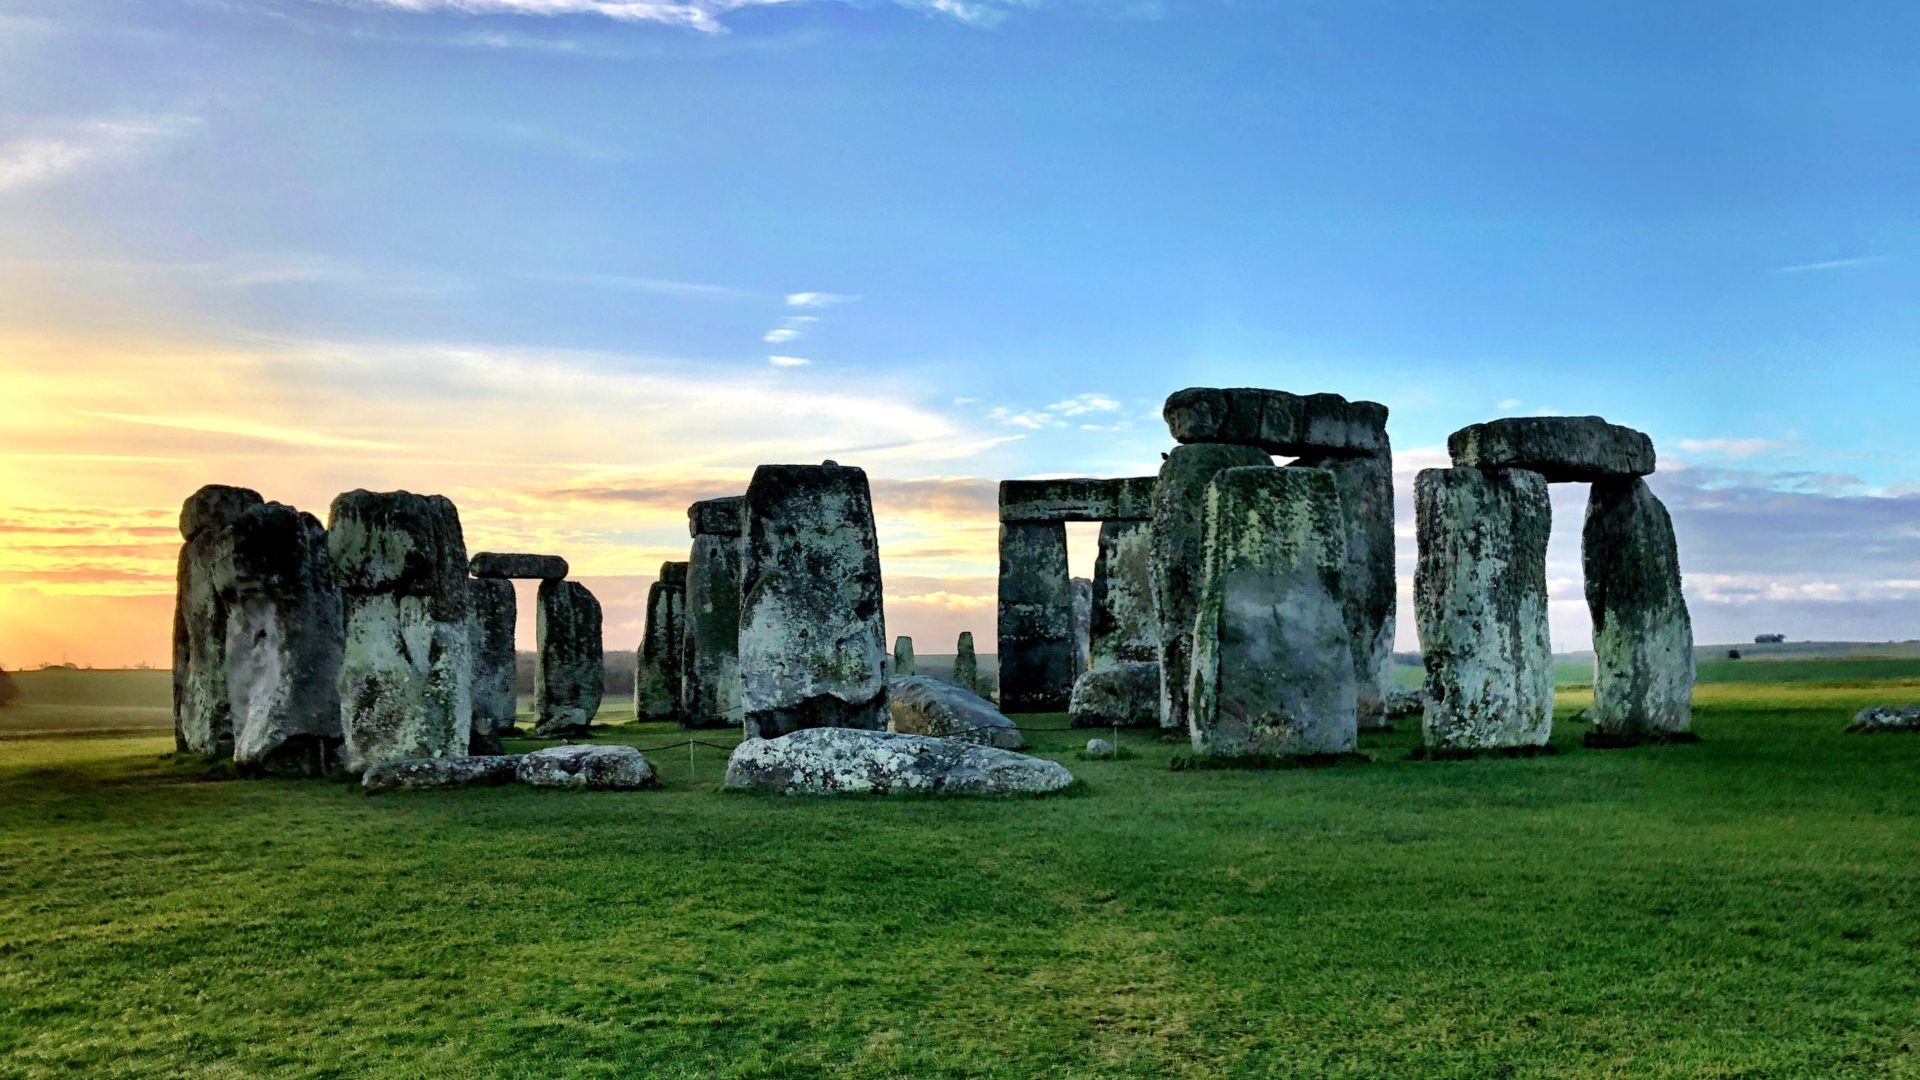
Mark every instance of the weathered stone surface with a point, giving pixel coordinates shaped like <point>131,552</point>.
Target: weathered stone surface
<point>1122,626</point>
<point>493,564</point>
<point>966,665</point>
<point>924,705</point>
<point>1272,658</point>
<point>1402,703</point>
<point>1642,634</point>
<point>812,646</point>
<point>1077,499</point>
<point>587,768</point>
<point>570,670</point>
<point>406,680</point>
<point>1099,748</point>
<point>1365,485</point>
<point>839,761</point>
<point>1035,612</point>
<point>1885,718</point>
<point>1563,449</point>
<point>1125,693</point>
<point>657,682</point>
<point>1277,422</point>
<point>1178,552</point>
<point>711,660</point>
<point>286,631</point>
<point>717,517</point>
<point>428,774</point>
<point>1480,598</point>
<point>1082,589</point>
<point>203,707</point>
<point>496,692</point>
<point>902,656</point>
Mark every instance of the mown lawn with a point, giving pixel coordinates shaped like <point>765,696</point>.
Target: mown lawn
<point>1740,907</point>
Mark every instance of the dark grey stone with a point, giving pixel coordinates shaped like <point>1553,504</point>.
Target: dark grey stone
<point>840,761</point>
<point>717,517</point>
<point>657,682</point>
<point>966,665</point>
<point>1125,693</point>
<point>496,691</point>
<point>1365,485</point>
<point>923,705</point>
<point>1035,617</point>
<point>1076,499</point>
<point>1279,423</point>
<point>711,682</point>
<point>1563,449</point>
<point>812,628</point>
<point>570,670</point>
<point>1272,658</point>
<point>431,774</point>
<point>902,656</point>
<point>1642,634</point>
<point>1122,626</point>
<point>1082,589</point>
<point>202,706</point>
<point>286,631</point>
<point>493,564</point>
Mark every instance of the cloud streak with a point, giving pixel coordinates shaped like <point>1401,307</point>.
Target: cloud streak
<point>35,160</point>
<point>1834,264</point>
<point>706,16</point>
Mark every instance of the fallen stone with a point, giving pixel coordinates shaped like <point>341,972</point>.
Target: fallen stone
<point>493,564</point>
<point>1642,634</point>
<point>496,690</point>
<point>812,647</point>
<point>1077,499</point>
<point>1272,658</point>
<point>1885,718</point>
<point>1178,550</point>
<point>657,682</point>
<point>1563,449</point>
<point>1365,485</point>
<point>406,680</point>
<point>1122,627</point>
<point>966,665</point>
<point>286,631</point>
<point>1082,591</point>
<point>587,768</point>
<point>1279,423</point>
<point>842,761</point>
<point>1035,619</point>
<point>1480,597</point>
<point>1122,694</point>
<point>202,703</point>
<point>570,670</point>
<point>923,705</point>
<point>902,656</point>
<point>427,774</point>
<point>1402,703</point>
<point>1099,748</point>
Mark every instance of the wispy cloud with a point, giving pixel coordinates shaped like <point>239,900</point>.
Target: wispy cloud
<point>692,290</point>
<point>245,429</point>
<point>788,361</point>
<point>1057,414</point>
<point>1834,264</point>
<point>818,299</point>
<point>1731,448</point>
<point>43,158</point>
<point>703,15</point>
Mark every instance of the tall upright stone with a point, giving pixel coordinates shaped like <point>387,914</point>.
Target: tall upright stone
<point>1036,645</point>
<point>1365,484</point>
<point>966,665</point>
<point>570,669</point>
<point>1642,634</point>
<point>1122,628</point>
<point>203,708</point>
<point>286,629</point>
<point>657,682</point>
<point>1178,552</point>
<point>1272,658</point>
<point>492,621</point>
<point>903,665</point>
<point>812,628</point>
<point>406,681</point>
<point>1480,597</point>
<point>711,678</point>
<point>1082,589</point>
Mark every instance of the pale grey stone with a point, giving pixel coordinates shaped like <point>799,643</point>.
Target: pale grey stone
<point>1077,499</point>
<point>202,702</point>
<point>1480,596</point>
<point>1272,657</point>
<point>1122,627</point>
<point>842,761</point>
<point>812,645</point>
<point>1642,634</point>
<point>1279,423</point>
<point>1365,484</point>
<point>496,692</point>
<point>1099,748</point>
<point>1885,718</point>
<point>1122,694</point>
<point>1178,551</point>
<point>902,656</point>
<point>1562,449</point>
<point>924,705</point>
<point>587,768</point>
<point>570,670</point>
<point>286,630</point>
<point>1035,616</point>
<point>1402,703</point>
<point>657,683</point>
<point>493,564</point>
<point>428,774</point>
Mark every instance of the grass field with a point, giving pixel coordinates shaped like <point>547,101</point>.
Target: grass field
<point>1740,907</point>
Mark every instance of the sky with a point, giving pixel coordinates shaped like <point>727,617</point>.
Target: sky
<point>575,263</point>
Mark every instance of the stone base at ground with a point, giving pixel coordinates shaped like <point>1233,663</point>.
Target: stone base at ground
<point>587,768</point>
<point>1125,694</point>
<point>1403,703</point>
<point>1642,634</point>
<point>845,761</point>
<point>924,705</point>
<point>426,774</point>
<point>1880,718</point>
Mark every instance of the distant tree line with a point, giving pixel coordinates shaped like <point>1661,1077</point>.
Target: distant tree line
<point>8,690</point>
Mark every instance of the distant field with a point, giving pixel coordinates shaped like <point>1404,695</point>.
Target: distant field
<point>68,701</point>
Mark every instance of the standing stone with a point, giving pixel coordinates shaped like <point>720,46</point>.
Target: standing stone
<point>1642,635</point>
<point>1480,597</point>
<point>1082,626</point>
<point>570,670</point>
<point>1178,549</point>
<point>1121,629</point>
<point>1125,693</point>
<point>711,663</point>
<point>1365,485</point>
<point>496,690</point>
<point>812,629</point>
<point>657,679</point>
<point>286,630</point>
<point>203,709</point>
<point>966,666</point>
<point>903,656</point>
<point>1035,618</point>
<point>406,682</point>
<point>1272,658</point>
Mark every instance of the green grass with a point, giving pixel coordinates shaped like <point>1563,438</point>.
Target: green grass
<point>1739,907</point>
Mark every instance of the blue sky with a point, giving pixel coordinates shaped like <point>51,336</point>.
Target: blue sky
<point>996,233</point>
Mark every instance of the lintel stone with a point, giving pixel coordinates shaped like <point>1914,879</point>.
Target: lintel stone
<point>1076,499</point>
<point>1284,424</point>
<point>493,564</point>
